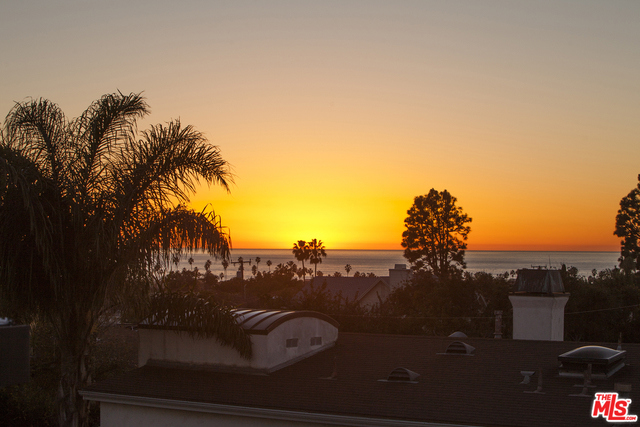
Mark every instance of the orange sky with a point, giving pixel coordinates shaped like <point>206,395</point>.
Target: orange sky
<point>336,114</point>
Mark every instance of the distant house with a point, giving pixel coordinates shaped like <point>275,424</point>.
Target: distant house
<point>366,291</point>
<point>306,375</point>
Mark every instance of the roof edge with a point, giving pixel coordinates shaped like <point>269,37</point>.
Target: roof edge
<point>252,412</point>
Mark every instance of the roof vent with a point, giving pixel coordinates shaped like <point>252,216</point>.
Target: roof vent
<point>459,348</point>
<point>402,375</point>
<point>604,361</point>
<point>458,334</point>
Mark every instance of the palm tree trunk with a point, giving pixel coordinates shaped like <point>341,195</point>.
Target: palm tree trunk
<point>73,409</point>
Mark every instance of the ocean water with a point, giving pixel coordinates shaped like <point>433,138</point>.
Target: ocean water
<point>379,261</point>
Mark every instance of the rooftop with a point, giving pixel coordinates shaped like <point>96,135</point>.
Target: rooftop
<point>484,389</point>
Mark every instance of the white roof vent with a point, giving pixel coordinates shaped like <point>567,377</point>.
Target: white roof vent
<point>460,349</point>
<point>402,375</point>
<point>458,334</point>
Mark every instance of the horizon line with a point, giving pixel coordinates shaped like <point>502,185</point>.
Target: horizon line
<point>467,250</point>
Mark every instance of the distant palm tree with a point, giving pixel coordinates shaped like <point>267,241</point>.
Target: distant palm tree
<point>269,263</point>
<point>347,268</point>
<point>317,250</point>
<point>91,205</point>
<point>225,264</point>
<point>302,253</point>
<point>258,262</point>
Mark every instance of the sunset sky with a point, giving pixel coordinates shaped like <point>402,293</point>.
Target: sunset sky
<point>336,114</point>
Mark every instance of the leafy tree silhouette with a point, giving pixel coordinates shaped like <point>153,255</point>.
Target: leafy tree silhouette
<point>628,228</point>
<point>435,235</point>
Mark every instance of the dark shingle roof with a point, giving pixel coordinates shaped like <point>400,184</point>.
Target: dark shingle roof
<point>351,288</point>
<point>483,389</point>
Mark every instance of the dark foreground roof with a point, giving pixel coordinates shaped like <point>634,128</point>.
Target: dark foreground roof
<point>482,389</point>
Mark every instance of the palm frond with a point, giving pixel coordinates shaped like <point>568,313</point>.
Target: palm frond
<point>102,129</point>
<point>201,317</point>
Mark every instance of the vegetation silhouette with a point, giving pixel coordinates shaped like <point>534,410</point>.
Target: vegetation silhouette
<point>628,228</point>
<point>435,235</point>
<point>87,207</point>
<point>302,252</point>
<point>347,268</point>
<point>317,252</point>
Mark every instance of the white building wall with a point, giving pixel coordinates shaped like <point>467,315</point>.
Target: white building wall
<point>538,317</point>
<point>269,351</point>
<point>122,415</point>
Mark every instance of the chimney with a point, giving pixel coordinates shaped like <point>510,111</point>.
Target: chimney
<point>538,302</point>
<point>398,275</point>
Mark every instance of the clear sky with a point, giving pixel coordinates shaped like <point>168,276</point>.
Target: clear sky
<point>336,114</point>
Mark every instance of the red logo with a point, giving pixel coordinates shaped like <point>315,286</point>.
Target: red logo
<point>612,408</point>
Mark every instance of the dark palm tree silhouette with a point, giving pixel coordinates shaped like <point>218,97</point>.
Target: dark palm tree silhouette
<point>347,268</point>
<point>317,252</point>
<point>91,205</point>
<point>269,263</point>
<point>302,253</point>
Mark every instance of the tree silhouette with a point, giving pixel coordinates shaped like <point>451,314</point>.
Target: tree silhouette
<point>258,262</point>
<point>302,253</point>
<point>435,234</point>
<point>87,207</point>
<point>317,252</point>
<point>269,263</point>
<point>628,228</point>
<point>347,268</point>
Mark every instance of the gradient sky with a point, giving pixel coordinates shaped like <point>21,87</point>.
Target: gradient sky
<point>336,114</point>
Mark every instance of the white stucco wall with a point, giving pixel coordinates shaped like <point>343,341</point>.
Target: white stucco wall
<point>538,317</point>
<point>269,351</point>
<point>122,415</point>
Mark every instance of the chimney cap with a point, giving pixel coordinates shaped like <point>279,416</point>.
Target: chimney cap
<point>538,281</point>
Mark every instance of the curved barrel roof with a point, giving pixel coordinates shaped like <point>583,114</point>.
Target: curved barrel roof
<point>264,321</point>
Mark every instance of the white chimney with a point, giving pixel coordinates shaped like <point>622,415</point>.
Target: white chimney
<point>398,276</point>
<point>538,304</point>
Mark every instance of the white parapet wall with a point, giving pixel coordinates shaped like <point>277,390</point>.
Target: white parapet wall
<point>538,317</point>
<point>295,335</point>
